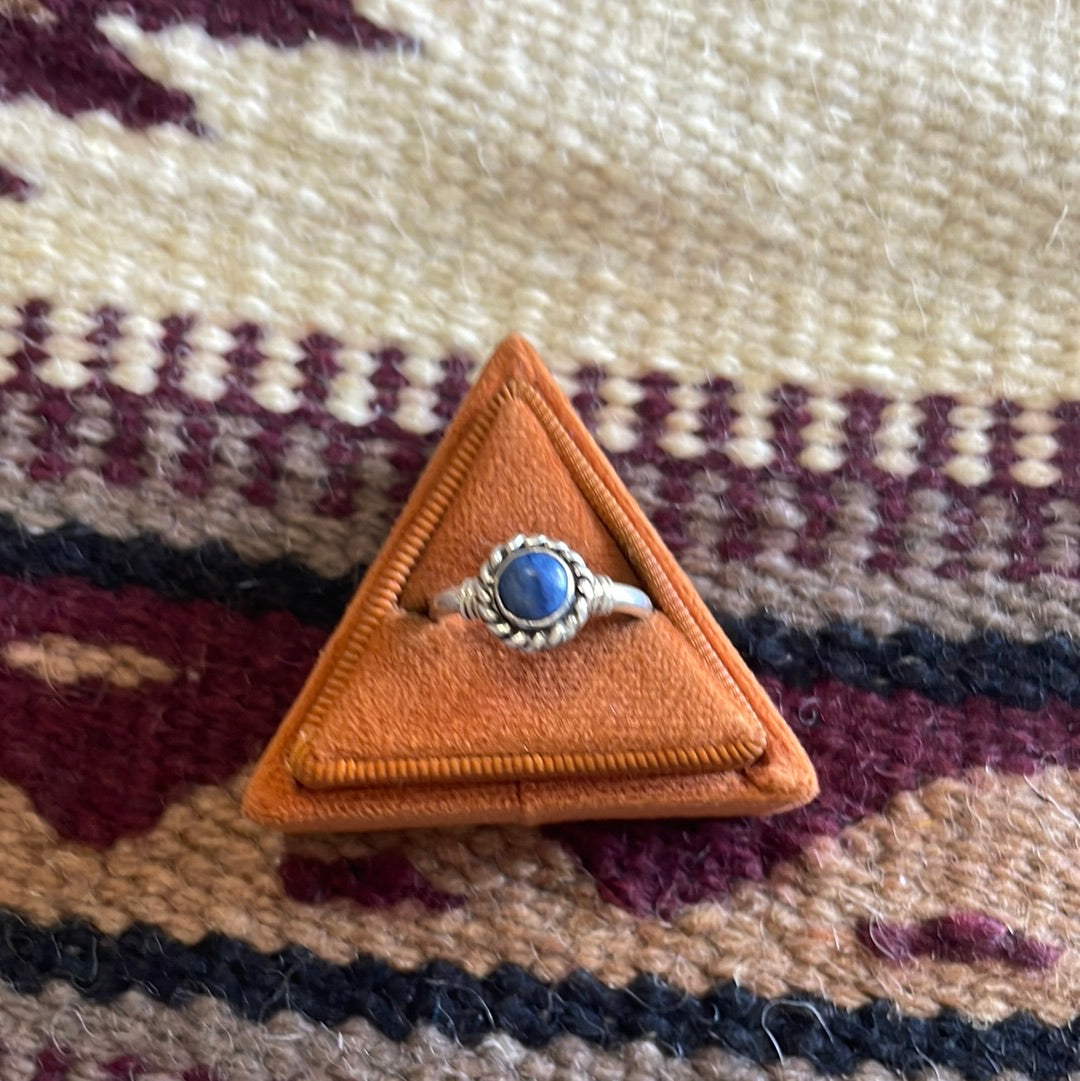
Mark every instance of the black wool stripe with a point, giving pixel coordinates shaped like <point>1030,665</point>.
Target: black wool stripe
<point>1023,674</point>
<point>468,1008</point>
<point>210,572</point>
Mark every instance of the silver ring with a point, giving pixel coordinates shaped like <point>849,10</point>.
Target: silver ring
<point>536,593</point>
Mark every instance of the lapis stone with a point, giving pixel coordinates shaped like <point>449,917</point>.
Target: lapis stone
<point>534,586</point>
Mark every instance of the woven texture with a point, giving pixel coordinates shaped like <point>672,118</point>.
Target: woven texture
<point>808,272</point>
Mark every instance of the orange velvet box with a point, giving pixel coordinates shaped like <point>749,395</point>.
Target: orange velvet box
<point>405,721</point>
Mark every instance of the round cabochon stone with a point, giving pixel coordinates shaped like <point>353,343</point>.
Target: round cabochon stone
<point>534,586</point>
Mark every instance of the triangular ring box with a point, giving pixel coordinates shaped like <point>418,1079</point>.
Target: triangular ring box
<point>405,721</point>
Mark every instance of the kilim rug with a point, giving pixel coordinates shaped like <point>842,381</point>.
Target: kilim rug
<point>809,270</point>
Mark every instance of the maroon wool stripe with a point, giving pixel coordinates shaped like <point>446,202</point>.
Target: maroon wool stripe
<point>381,880</point>
<point>101,762</point>
<point>14,187</point>
<point>68,63</point>
<point>129,458</point>
<point>965,937</point>
<point>866,749</point>
<point>320,366</point>
<point>174,631</point>
<point>57,1063</point>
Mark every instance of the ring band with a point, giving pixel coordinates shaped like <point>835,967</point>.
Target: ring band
<point>535,593</point>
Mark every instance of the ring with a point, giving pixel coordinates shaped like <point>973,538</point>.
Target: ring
<point>535,593</point>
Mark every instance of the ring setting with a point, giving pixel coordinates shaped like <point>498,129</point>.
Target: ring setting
<point>534,593</point>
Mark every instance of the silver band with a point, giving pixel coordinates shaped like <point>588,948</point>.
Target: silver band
<point>611,598</point>
<point>573,595</point>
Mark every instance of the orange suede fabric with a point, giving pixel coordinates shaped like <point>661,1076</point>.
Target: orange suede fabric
<point>406,722</point>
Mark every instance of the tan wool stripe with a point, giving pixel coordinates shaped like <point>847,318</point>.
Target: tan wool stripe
<point>810,598</point>
<point>205,1032</point>
<point>957,844</point>
<point>492,180</point>
<point>25,9</point>
<point>329,546</point>
<point>58,658</point>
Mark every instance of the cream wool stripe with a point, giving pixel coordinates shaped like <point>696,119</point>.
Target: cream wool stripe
<point>204,868</point>
<point>818,211</point>
<point>133,363</point>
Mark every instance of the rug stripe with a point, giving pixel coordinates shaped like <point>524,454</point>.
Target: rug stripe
<point>736,511</point>
<point>991,665</point>
<point>124,753</point>
<point>172,545</point>
<point>866,749</point>
<point>61,659</point>
<point>509,1000</point>
<point>330,547</point>
<point>242,672</point>
<point>986,589</point>
<point>659,416</point>
<point>203,869</point>
<point>168,1041</point>
<point>1026,675</point>
<point>209,572</point>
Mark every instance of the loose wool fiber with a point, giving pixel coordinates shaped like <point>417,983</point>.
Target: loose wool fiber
<point>808,270</point>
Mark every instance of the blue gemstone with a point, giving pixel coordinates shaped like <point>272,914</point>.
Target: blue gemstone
<point>534,586</point>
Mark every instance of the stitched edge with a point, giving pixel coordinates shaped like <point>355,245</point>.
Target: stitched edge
<point>314,771</point>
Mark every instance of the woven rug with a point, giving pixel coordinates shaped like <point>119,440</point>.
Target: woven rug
<point>809,272</point>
